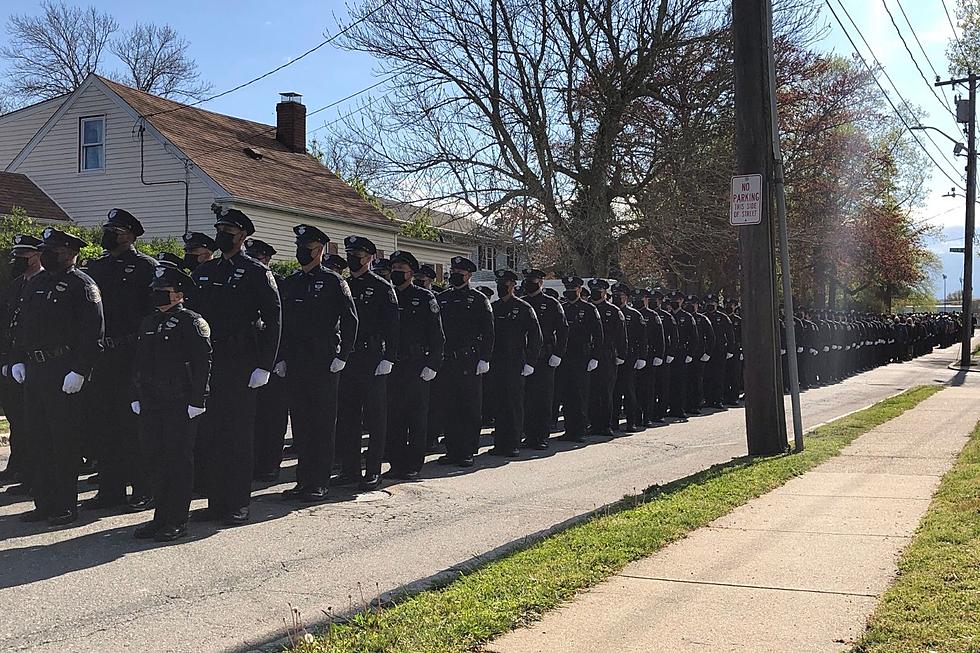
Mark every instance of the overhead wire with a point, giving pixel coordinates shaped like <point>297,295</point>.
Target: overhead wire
<point>952,26</point>
<point>924,53</point>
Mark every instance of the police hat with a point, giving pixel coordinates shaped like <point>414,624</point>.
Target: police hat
<point>693,299</point>
<point>307,234</point>
<point>166,276</point>
<point>677,294</point>
<point>194,239</point>
<point>533,273</point>
<point>121,219</point>
<point>360,242</point>
<point>505,275</point>
<point>551,292</point>
<point>622,289</point>
<point>462,263</point>
<point>644,292</point>
<point>711,298</point>
<point>166,258</point>
<point>424,271</point>
<point>235,218</point>
<point>486,291</point>
<point>56,238</point>
<point>658,293</point>
<point>24,243</point>
<point>596,283</point>
<point>335,262</point>
<point>381,264</point>
<point>730,300</point>
<point>572,282</point>
<point>256,247</point>
<point>401,256</point>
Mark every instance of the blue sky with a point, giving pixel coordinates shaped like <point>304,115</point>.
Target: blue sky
<point>235,41</point>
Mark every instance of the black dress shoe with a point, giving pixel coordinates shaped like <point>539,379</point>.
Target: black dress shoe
<point>512,453</point>
<point>633,428</point>
<point>206,514</point>
<point>147,531</point>
<point>466,462</point>
<point>294,492</point>
<point>572,438</point>
<point>139,504</point>
<point>103,501</point>
<point>313,494</point>
<point>410,475</point>
<point>266,477</point>
<point>171,533</point>
<point>348,479</point>
<point>447,460</point>
<point>33,516</point>
<point>603,433</point>
<point>540,446</point>
<point>236,517</point>
<point>63,518</point>
<point>370,482</point>
<point>20,489</point>
<point>497,451</point>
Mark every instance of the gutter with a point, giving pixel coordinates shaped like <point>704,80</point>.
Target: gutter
<point>231,199</point>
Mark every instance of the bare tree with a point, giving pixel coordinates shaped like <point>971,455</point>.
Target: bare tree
<point>51,54</point>
<point>157,62</point>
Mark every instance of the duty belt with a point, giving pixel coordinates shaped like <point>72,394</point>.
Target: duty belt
<point>462,352</point>
<point>112,343</point>
<point>45,355</point>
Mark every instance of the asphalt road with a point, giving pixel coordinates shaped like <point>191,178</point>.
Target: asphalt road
<point>93,587</point>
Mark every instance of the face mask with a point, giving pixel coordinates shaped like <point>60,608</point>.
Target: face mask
<point>595,295</point>
<point>354,262</point>
<point>304,256</point>
<point>711,308</point>
<point>225,241</point>
<point>50,260</point>
<point>191,262</point>
<point>570,295</point>
<point>677,306</point>
<point>160,298</point>
<point>398,277</point>
<point>18,266</point>
<point>619,300</point>
<point>109,240</point>
<point>531,287</point>
<point>638,305</point>
<point>503,290</point>
<point>456,279</point>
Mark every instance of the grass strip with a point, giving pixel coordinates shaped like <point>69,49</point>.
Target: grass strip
<point>934,604</point>
<point>517,588</point>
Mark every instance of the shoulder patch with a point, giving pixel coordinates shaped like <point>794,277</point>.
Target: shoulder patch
<point>202,326</point>
<point>92,293</point>
<point>271,279</point>
<point>345,289</point>
<point>434,305</point>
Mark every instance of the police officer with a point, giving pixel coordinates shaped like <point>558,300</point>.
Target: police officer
<point>426,278</point>
<point>656,351</point>
<point>733,366</point>
<point>272,409</point>
<point>702,354</point>
<point>581,359</point>
<point>57,339</point>
<point>688,341</point>
<point>661,373</point>
<point>468,324</point>
<point>611,354</point>
<point>363,383</point>
<point>539,387</point>
<point>382,268</point>
<point>198,248</point>
<point>170,260</point>
<point>420,346</point>
<point>335,262</point>
<point>517,343</point>
<point>170,379</point>
<point>25,264</point>
<point>318,332</point>
<point>123,276</point>
<point>721,353</point>
<point>635,357</point>
<point>239,299</point>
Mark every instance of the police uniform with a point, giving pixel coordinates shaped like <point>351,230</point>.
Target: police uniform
<point>662,373</point>
<point>624,396</point>
<point>420,346</point>
<point>656,351</point>
<point>124,281</point>
<point>57,340</point>
<point>688,342</point>
<point>239,299</point>
<point>319,328</point>
<point>582,353</point>
<point>467,322</point>
<point>170,378</point>
<point>611,354</point>
<point>335,262</point>
<point>721,353</point>
<point>193,240</point>
<point>363,386</point>
<point>733,366</point>
<point>705,345</point>
<point>516,346</point>
<point>539,388</point>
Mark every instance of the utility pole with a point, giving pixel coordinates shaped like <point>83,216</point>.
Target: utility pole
<point>971,209</point>
<point>765,419</point>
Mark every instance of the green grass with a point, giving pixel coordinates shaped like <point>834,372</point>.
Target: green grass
<point>934,604</point>
<point>517,588</point>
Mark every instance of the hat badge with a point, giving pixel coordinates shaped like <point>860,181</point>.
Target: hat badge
<point>47,232</point>
<point>160,272</point>
<point>113,213</point>
<point>188,236</point>
<point>301,230</point>
<point>351,240</point>
<point>456,259</point>
<point>17,240</point>
<point>249,243</point>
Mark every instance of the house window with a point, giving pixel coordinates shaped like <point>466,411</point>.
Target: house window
<point>487,256</point>
<point>512,257</point>
<point>92,144</point>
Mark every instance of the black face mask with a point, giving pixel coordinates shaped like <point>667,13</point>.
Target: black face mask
<point>109,240</point>
<point>398,277</point>
<point>354,262</point>
<point>638,305</point>
<point>619,300</point>
<point>503,290</point>
<point>456,279</point>
<point>570,295</point>
<point>677,306</point>
<point>225,241</point>
<point>191,262</point>
<point>531,287</point>
<point>304,255</point>
<point>50,260</point>
<point>595,295</point>
<point>18,266</point>
<point>711,308</point>
<point>160,298</point>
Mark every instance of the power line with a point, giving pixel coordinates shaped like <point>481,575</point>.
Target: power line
<point>951,25</point>
<point>914,136</point>
<point>924,53</point>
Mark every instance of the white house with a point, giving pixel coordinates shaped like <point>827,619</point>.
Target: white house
<point>107,145</point>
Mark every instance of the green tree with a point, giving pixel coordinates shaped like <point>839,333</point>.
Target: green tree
<point>420,227</point>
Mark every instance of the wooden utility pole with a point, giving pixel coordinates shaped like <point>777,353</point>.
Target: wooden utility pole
<point>765,419</point>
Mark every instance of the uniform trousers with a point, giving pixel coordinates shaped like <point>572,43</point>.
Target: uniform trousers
<point>644,393</point>
<point>167,439</point>
<point>460,391</point>
<point>733,379</point>
<point>505,392</point>
<point>115,427</point>
<point>313,410</point>
<point>661,391</point>
<point>408,414</point>
<point>625,395</point>
<point>539,395</point>
<point>271,419</point>
<point>601,388</point>
<point>52,421</point>
<point>714,378</point>
<point>12,400</point>
<point>575,382</point>
<point>679,371</point>
<point>695,385</point>
<point>362,403</point>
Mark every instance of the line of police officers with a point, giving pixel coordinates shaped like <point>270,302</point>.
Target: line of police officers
<point>176,373</point>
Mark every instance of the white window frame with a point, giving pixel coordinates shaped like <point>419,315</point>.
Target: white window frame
<point>82,145</point>
<point>485,253</point>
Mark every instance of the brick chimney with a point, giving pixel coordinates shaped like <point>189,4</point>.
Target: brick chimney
<point>291,121</point>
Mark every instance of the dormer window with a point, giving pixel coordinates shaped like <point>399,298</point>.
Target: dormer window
<point>91,155</point>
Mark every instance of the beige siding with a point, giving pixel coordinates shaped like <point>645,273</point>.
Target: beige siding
<point>433,253</point>
<point>19,127</point>
<point>88,196</point>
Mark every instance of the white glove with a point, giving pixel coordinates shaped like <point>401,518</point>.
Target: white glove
<point>482,367</point>
<point>782,352</point>
<point>18,372</point>
<point>826,348</point>
<point>705,358</point>
<point>593,363</point>
<point>554,361</point>
<point>384,368</point>
<point>73,383</point>
<point>527,371</point>
<point>135,406</point>
<point>6,369</point>
<point>639,364</point>
<point>428,374</point>
<point>688,359</point>
<point>619,361</point>
<point>670,359</point>
<point>259,378</point>
<point>194,411</point>
<point>799,350</point>
<point>337,365</point>
<point>728,355</point>
<point>280,369</point>
<point>657,362</point>
<point>813,352</point>
<point>741,357</point>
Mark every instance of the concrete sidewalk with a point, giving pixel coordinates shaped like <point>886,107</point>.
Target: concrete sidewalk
<point>799,569</point>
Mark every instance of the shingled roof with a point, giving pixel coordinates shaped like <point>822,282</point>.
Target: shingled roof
<point>19,190</point>
<point>270,173</point>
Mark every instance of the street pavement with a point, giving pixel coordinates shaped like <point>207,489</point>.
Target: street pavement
<point>93,587</point>
<point>817,553</point>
